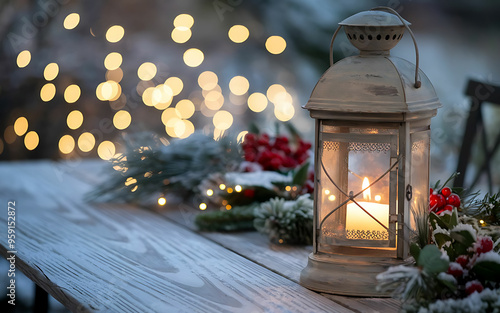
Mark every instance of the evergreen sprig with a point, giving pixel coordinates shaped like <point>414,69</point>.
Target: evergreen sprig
<point>149,167</point>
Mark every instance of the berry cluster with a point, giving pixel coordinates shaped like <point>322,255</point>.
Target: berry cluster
<point>274,154</point>
<point>463,264</point>
<point>443,200</point>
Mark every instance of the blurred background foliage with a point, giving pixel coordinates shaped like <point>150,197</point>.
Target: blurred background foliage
<point>68,113</point>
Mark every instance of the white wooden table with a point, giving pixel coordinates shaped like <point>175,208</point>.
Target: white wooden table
<point>119,258</point>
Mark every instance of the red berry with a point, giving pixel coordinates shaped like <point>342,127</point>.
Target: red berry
<point>446,191</point>
<point>473,286</point>
<point>463,260</point>
<point>454,200</point>
<point>455,270</point>
<point>436,202</point>
<point>431,191</point>
<point>444,209</point>
<point>483,245</point>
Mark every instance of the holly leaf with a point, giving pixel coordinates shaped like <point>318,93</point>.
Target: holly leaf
<point>441,239</point>
<point>437,221</point>
<point>463,237</point>
<point>453,219</point>
<point>300,176</point>
<point>487,270</point>
<point>430,260</point>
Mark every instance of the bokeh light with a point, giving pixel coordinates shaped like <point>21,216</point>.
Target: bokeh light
<point>238,33</point>
<point>284,111</point>
<point>122,119</point>
<point>176,84</point>
<point>273,91</point>
<point>257,102</point>
<point>72,93</point>
<point>74,119</point>
<point>185,108</point>
<point>181,34</point>
<point>31,140</point>
<point>51,71</point>
<point>86,142</point>
<point>146,71</point>
<point>239,85</point>
<point>170,114</point>
<point>193,57</point>
<point>113,61</point>
<point>241,136</point>
<point>208,80</point>
<point>115,75</point>
<point>9,135</point>
<point>184,20</point>
<point>108,91</point>
<point>275,44</point>
<point>71,21</point>
<point>106,150</point>
<point>47,92</point>
<point>23,58</point>
<point>223,120</point>
<point>21,126</point>
<point>66,144</point>
<point>115,33</point>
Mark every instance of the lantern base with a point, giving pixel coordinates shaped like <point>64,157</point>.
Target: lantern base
<point>346,274</point>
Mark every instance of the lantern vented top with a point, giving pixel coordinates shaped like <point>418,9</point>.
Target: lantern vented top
<point>374,30</point>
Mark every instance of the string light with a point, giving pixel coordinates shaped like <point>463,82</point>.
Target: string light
<point>203,206</point>
<point>162,201</point>
<point>115,33</point>
<point>238,188</point>
<point>238,33</point>
<point>21,126</point>
<point>66,144</point>
<point>31,140</point>
<point>106,150</point>
<point>23,58</point>
<point>47,92</point>
<point>222,186</point>
<point>51,71</point>
<point>210,192</point>
<point>275,44</point>
<point>71,21</point>
<point>193,57</point>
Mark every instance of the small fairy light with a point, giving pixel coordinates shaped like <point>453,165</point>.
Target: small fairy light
<point>203,206</point>
<point>230,190</point>
<point>481,222</point>
<point>280,241</point>
<point>162,201</point>
<point>327,192</point>
<point>288,188</point>
<point>331,198</point>
<point>222,186</point>
<point>378,198</point>
<point>228,207</point>
<point>210,192</point>
<point>238,188</point>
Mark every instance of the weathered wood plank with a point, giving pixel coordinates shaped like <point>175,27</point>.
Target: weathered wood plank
<point>117,258</point>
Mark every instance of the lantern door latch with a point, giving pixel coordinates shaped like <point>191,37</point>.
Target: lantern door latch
<point>409,192</point>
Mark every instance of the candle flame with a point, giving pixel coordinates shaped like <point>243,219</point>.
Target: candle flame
<point>367,193</point>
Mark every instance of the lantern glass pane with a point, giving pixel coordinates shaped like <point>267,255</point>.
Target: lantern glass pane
<point>356,161</point>
<point>420,147</point>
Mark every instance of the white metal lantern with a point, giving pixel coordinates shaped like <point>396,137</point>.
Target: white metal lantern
<point>372,114</point>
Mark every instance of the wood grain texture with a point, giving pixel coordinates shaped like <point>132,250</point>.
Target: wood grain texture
<point>117,258</point>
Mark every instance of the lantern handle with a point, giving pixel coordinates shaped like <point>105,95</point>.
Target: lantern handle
<point>331,44</point>
<point>418,83</point>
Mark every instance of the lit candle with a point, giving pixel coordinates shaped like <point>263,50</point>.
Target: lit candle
<point>360,225</point>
